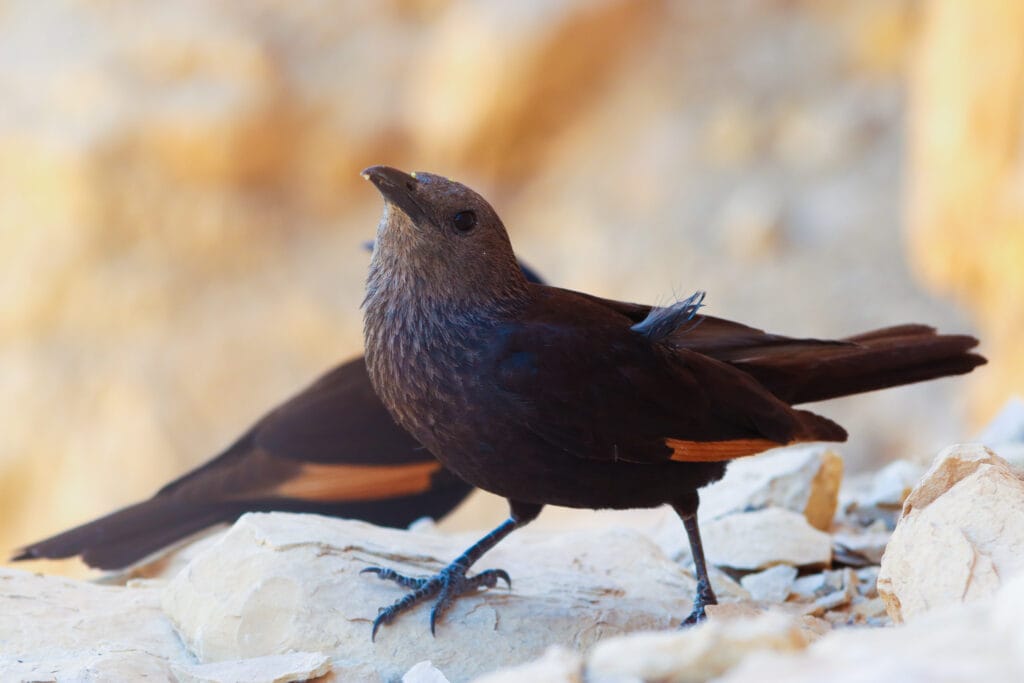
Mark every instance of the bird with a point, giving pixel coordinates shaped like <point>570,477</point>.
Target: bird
<point>547,396</point>
<point>331,449</point>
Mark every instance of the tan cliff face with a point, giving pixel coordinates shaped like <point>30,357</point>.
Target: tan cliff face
<point>181,213</point>
<point>966,177</point>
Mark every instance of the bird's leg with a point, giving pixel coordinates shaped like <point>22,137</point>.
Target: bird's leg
<point>452,581</point>
<point>687,511</point>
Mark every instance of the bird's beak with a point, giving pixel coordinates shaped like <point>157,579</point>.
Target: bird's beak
<point>399,189</point>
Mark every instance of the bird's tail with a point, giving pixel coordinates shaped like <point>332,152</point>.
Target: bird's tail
<point>124,537</point>
<point>874,360</point>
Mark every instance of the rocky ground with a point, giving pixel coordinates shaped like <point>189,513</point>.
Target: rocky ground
<point>902,574</point>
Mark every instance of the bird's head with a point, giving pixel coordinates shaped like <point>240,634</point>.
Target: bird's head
<point>442,234</point>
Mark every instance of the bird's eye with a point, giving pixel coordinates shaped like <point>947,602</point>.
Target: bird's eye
<point>464,220</point>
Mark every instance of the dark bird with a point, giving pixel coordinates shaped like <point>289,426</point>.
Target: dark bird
<point>332,449</point>
<point>548,396</point>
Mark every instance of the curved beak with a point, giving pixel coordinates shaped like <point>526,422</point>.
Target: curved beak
<point>399,189</point>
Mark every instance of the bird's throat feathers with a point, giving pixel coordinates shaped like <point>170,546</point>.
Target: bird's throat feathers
<point>419,276</point>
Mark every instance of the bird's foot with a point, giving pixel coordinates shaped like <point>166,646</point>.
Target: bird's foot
<point>448,584</point>
<point>704,597</point>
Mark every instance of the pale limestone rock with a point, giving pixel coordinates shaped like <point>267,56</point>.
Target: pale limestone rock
<point>761,539</point>
<point>283,668</point>
<point>727,588</point>
<point>827,594</point>
<point>869,608</point>
<point>827,603</point>
<point>691,655</point>
<point>424,672</point>
<point>869,542</point>
<point>804,479</point>
<point>867,581</point>
<point>662,525</point>
<point>884,489</point>
<point>280,582</point>
<point>167,562</point>
<point>961,535</point>
<point>960,643</point>
<point>59,629</point>
<point>557,665</point>
<point>770,585</point>
<point>810,626</point>
<point>824,584</point>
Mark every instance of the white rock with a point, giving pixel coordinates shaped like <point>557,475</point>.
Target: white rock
<point>695,654</point>
<point>280,582</point>
<point>770,585</point>
<point>867,542</point>
<point>960,643</point>
<point>59,629</point>
<point>557,665</point>
<point>294,666</point>
<point>761,539</point>
<point>804,479</point>
<point>1006,427</point>
<point>961,535</point>
<point>867,581</point>
<point>165,563</point>
<point>814,587</point>
<point>424,672</point>
<point>870,608</point>
<point>893,483</point>
<point>833,600</point>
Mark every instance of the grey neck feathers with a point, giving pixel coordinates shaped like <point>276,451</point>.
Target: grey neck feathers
<point>411,288</point>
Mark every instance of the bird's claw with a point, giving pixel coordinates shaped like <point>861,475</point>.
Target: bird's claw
<point>386,574</point>
<point>447,585</point>
<point>696,616</point>
<point>705,596</point>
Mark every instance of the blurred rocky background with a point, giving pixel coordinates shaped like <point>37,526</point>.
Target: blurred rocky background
<point>181,213</point>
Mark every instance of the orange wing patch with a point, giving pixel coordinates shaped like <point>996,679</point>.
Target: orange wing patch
<point>335,483</point>
<point>717,451</point>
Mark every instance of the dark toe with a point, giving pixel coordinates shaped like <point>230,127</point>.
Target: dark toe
<point>489,579</point>
<point>696,617</point>
<point>386,574</point>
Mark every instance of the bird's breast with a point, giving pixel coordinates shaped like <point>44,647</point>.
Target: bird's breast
<point>424,367</point>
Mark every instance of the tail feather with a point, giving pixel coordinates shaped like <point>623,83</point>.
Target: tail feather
<point>896,331</point>
<point>874,360</point>
<point>132,533</point>
<point>818,428</point>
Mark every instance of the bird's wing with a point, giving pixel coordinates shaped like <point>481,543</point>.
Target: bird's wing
<point>338,418</point>
<point>332,449</point>
<point>722,339</point>
<point>576,375</point>
<point>334,441</point>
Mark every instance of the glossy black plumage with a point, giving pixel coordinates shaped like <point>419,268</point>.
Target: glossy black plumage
<point>548,396</point>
